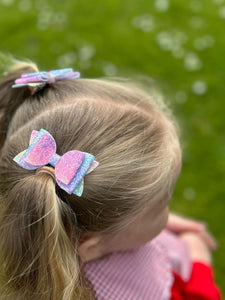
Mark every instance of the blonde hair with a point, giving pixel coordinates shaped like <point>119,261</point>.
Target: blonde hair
<point>133,138</point>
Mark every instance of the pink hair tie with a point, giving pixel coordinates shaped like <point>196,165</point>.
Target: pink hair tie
<point>70,168</point>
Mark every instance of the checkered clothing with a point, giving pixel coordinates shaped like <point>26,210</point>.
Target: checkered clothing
<point>144,273</point>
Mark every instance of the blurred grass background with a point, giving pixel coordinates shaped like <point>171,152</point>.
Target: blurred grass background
<point>179,44</point>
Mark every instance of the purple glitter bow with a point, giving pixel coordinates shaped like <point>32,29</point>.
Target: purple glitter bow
<point>40,78</point>
<point>70,168</point>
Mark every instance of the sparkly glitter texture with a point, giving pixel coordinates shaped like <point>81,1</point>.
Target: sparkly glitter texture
<point>69,169</point>
<point>41,150</point>
<point>80,174</point>
<point>68,165</point>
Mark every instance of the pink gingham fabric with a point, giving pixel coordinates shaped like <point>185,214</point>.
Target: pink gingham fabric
<point>144,273</point>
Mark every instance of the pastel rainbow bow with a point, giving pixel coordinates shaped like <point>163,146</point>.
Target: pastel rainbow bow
<point>70,168</point>
<point>41,78</point>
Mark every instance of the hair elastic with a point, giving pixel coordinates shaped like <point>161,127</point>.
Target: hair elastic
<point>47,170</point>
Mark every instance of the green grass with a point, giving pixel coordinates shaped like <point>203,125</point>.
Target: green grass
<point>177,47</point>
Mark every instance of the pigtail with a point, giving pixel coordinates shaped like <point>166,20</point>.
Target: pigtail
<point>38,255</point>
<point>10,98</point>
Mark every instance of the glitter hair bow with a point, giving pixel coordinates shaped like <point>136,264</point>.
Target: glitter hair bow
<point>39,79</point>
<point>70,168</point>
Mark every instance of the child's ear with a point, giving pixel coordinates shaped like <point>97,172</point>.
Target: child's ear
<point>90,249</point>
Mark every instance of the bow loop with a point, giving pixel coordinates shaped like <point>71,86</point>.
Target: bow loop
<point>68,165</point>
<point>42,147</point>
<point>41,150</point>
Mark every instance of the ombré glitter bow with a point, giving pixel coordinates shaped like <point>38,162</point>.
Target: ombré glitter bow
<point>70,168</point>
<point>39,79</point>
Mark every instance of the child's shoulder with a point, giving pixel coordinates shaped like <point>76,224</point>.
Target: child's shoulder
<point>142,273</point>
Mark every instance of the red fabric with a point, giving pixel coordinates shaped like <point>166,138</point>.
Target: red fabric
<point>199,287</point>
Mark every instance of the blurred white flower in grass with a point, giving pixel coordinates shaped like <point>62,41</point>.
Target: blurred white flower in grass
<point>192,62</point>
<point>197,22</point>
<point>24,5</point>
<point>164,40</point>
<point>162,5</point>
<point>86,52</point>
<point>204,42</point>
<point>109,69</point>
<point>47,18</point>
<point>44,20</point>
<point>196,5</point>
<point>59,20</point>
<point>42,5</point>
<point>189,193</point>
<point>144,22</point>
<point>218,1</point>
<point>178,52</point>
<point>181,97</point>
<point>199,87</point>
<point>7,2</point>
<point>222,12</point>
<point>67,59</point>
<point>172,41</point>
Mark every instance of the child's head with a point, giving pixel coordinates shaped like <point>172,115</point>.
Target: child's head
<point>42,227</point>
